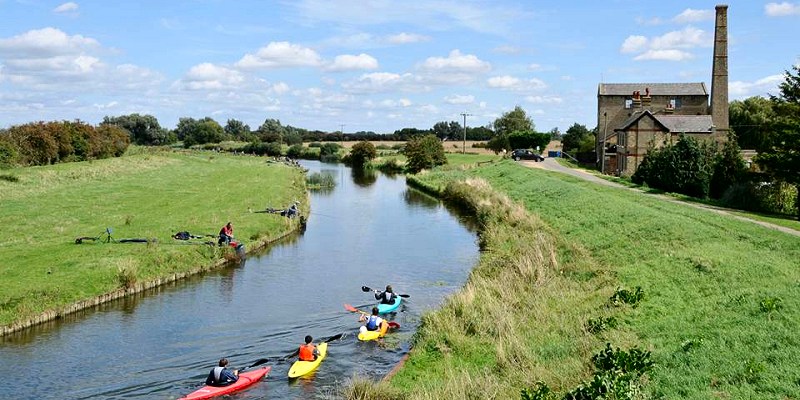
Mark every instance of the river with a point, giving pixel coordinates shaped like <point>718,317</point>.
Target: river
<point>371,229</point>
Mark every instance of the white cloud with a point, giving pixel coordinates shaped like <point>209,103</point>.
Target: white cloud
<point>664,55</point>
<point>280,88</point>
<point>633,44</point>
<point>507,49</point>
<point>508,82</point>
<point>760,87</point>
<point>459,99</point>
<point>649,21</point>
<point>66,8</point>
<point>280,54</point>
<point>456,61</point>
<point>45,42</point>
<point>348,62</point>
<point>405,102</point>
<point>544,99</point>
<point>406,38</point>
<point>379,82</point>
<point>207,76</point>
<point>781,9</point>
<point>691,15</point>
<point>108,105</point>
<point>671,46</point>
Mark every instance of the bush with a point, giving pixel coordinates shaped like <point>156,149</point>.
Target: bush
<point>295,151</point>
<point>424,152</point>
<point>684,167</point>
<point>361,153</point>
<point>768,197</point>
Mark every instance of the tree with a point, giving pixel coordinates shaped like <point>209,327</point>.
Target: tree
<point>361,153</point>
<point>271,130</point>
<point>144,129</point>
<point>781,156</point>
<point>750,120</point>
<point>729,168</point>
<point>448,130</point>
<point>576,137</point>
<point>555,134</point>
<point>515,120</point>
<point>684,167</point>
<point>238,130</point>
<point>424,152</point>
<point>203,131</point>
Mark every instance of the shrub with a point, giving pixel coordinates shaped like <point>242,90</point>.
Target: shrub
<point>625,296</point>
<point>684,167</point>
<point>361,153</point>
<point>315,145</point>
<point>318,179</point>
<point>424,152</point>
<point>295,151</point>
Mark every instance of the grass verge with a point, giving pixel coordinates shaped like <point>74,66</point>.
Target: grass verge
<point>150,195</point>
<point>718,298</point>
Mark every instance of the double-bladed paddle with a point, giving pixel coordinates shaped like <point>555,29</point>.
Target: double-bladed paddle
<point>368,289</point>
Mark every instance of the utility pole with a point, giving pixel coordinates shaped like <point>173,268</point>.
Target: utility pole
<point>603,144</point>
<point>464,146</point>
<point>341,131</point>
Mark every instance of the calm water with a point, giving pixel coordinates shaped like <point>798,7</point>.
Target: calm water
<point>370,230</point>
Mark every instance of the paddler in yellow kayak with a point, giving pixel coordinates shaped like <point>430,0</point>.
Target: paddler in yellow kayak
<point>374,322</point>
<point>308,351</point>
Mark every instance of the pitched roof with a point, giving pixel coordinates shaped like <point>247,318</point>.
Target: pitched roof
<point>656,89</point>
<point>673,123</point>
<point>686,123</point>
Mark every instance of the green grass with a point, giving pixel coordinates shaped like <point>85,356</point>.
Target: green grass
<point>720,312</point>
<point>146,195</point>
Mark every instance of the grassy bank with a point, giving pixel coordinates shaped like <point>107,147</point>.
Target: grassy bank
<point>151,195</point>
<point>720,309</point>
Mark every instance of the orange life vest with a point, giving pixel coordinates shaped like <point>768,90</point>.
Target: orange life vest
<point>307,352</point>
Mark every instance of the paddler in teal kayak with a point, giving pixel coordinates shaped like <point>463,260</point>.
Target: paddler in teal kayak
<point>308,352</point>
<point>386,297</point>
<point>373,321</point>
<point>222,376</point>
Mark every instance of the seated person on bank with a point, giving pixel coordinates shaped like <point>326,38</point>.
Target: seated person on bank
<point>226,234</point>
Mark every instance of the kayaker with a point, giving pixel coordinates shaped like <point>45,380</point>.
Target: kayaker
<point>308,352</point>
<point>387,296</point>
<point>222,376</point>
<point>226,234</point>
<point>373,321</point>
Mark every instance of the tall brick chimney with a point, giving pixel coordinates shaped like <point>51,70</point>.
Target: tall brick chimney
<point>719,77</point>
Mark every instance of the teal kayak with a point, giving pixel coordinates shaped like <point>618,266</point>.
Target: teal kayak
<point>387,308</point>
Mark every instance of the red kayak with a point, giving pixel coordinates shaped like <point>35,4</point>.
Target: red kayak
<point>245,379</point>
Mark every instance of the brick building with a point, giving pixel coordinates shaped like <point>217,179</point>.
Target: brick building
<point>635,117</point>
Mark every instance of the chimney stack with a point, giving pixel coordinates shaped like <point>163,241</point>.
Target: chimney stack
<point>719,77</point>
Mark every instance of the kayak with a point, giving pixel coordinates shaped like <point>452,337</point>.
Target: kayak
<point>387,308</point>
<point>300,368</point>
<point>372,335</point>
<point>245,379</point>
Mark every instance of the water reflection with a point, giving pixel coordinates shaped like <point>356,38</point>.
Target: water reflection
<point>364,177</point>
<point>416,197</point>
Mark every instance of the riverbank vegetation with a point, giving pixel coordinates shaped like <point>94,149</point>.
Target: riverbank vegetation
<point>575,273</point>
<point>150,194</point>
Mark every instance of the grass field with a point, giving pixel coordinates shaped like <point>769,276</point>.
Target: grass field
<point>720,311</point>
<point>149,195</point>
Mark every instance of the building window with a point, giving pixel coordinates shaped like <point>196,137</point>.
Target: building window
<point>628,103</point>
<point>675,103</point>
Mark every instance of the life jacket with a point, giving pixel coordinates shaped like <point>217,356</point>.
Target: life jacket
<point>307,352</point>
<point>372,322</point>
<point>218,374</point>
<point>388,298</point>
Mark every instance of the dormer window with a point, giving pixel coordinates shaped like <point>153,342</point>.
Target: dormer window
<point>628,103</point>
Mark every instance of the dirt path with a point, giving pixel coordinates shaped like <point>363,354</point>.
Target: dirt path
<point>552,164</point>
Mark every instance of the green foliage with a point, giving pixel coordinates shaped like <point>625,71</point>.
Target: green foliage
<point>201,131</point>
<point>329,152</point>
<point>295,151</point>
<point>143,129</point>
<point>616,375</point>
<point>8,151</point>
<point>600,324</point>
<point>9,178</point>
<point>361,153</point>
<point>576,139</point>
<point>44,143</point>
<point>729,168</point>
<point>691,344</point>
<point>750,121</point>
<point>770,305</point>
<point>315,145</point>
<point>684,167</point>
<point>424,152</point>
<point>540,391</point>
<point>513,121</point>
<point>238,130</point>
<point>757,194</point>
<point>498,143</point>
<point>448,130</point>
<point>271,131</point>
<point>528,140</point>
<point>625,296</point>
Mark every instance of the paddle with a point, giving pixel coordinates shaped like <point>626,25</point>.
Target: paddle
<point>367,289</point>
<point>348,307</point>
<point>257,363</point>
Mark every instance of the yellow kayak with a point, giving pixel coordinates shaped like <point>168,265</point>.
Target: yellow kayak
<point>300,368</point>
<point>372,335</point>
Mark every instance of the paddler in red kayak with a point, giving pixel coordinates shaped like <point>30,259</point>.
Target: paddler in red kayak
<point>222,376</point>
<point>308,352</point>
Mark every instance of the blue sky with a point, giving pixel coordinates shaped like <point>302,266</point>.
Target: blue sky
<point>370,65</point>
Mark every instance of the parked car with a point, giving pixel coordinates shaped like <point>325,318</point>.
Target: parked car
<point>525,154</point>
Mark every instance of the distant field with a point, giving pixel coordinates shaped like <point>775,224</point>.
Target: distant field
<point>150,195</point>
